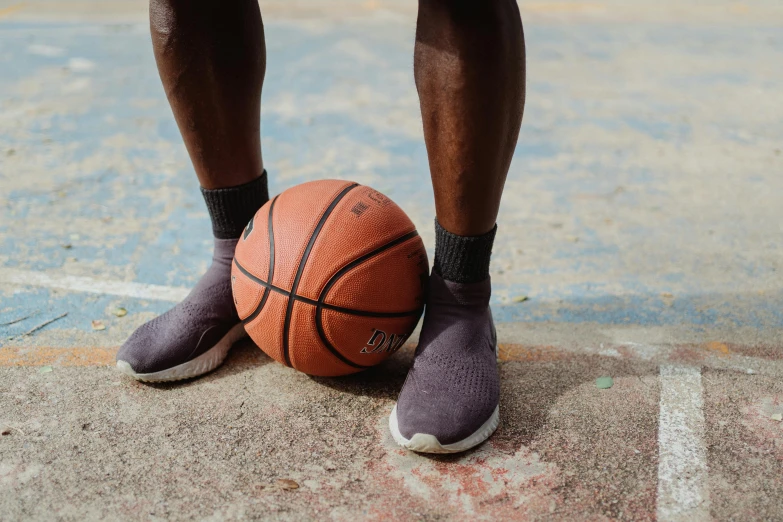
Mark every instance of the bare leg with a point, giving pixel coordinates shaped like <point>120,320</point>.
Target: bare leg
<point>470,73</point>
<point>211,57</point>
<point>469,66</point>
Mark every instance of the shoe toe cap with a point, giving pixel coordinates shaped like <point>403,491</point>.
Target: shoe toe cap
<point>449,421</point>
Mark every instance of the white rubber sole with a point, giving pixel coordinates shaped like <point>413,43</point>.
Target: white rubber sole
<point>204,363</point>
<point>425,443</point>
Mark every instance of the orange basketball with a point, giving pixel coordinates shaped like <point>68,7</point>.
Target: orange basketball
<point>329,277</point>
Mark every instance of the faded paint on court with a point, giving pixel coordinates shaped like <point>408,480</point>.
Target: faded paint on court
<point>642,220</point>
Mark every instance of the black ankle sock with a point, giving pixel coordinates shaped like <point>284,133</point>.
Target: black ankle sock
<point>462,259</point>
<point>231,208</point>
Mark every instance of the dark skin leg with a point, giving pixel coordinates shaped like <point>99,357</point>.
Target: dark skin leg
<point>211,58</point>
<point>469,66</point>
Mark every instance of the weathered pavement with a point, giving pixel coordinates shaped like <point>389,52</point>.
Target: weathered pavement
<point>642,219</point>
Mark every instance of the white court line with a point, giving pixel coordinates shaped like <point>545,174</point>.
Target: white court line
<point>683,490</point>
<point>94,286</point>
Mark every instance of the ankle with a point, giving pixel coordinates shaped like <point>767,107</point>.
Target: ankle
<point>223,249</point>
<point>231,208</point>
<point>462,259</point>
<point>444,293</point>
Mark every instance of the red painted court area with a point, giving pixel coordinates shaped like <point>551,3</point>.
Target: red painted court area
<point>565,450</point>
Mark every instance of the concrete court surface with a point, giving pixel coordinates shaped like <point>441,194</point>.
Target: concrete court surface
<point>642,219</point>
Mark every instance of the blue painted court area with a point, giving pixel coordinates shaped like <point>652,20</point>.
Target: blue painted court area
<point>645,189</point>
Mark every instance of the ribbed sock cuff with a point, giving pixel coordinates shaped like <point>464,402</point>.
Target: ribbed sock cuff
<point>462,259</point>
<point>231,208</point>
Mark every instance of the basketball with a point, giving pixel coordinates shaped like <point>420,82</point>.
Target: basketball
<point>329,277</point>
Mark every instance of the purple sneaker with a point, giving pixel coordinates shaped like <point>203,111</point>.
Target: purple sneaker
<point>449,402</point>
<point>192,338</point>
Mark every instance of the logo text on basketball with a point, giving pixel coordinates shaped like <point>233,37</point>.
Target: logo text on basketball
<point>380,341</point>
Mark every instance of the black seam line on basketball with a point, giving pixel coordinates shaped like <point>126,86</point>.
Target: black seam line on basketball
<point>320,328</point>
<point>360,313</point>
<point>365,257</point>
<point>326,306</point>
<point>319,309</point>
<point>271,265</point>
<point>303,262</point>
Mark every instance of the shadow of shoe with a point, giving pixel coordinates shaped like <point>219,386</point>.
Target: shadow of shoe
<point>557,430</point>
<point>378,382</point>
<point>243,356</point>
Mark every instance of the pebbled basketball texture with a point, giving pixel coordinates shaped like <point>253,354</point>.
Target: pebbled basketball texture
<point>329,277</point>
